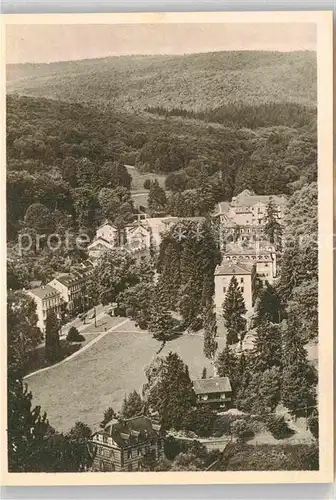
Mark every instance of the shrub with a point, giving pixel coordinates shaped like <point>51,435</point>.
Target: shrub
<point>278,427</point>
<point>147,184</point>
<point>241,430</point>
<point>120,311</point>
<point>200,420</point>
<point>74,335</point>
<point>313,425</point>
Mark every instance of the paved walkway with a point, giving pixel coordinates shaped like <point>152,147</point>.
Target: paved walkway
<point>80,351</point>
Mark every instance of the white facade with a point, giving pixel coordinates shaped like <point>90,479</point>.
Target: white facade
<point>108,232</point>
<point>244,274</point>
<point>46,299</point>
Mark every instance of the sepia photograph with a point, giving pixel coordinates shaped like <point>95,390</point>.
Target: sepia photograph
<point>169,247</point>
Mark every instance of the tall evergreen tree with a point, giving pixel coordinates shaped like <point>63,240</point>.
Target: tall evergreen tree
<point>132,405</point>
<point>269,306</point>
<point>299,377</point>
<point>161,321</point>
<point>172,394</point>
<point>267,346</point>
<point>52,340</point>
<point>272,227</point>
<point>233,311</point>
<point>157,200</point>
<point>210,332</point>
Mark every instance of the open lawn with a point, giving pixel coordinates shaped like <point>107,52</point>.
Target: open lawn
<point>139,178</point>
<point>84,387</point>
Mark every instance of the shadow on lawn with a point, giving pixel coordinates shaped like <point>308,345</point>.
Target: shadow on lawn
<point>38,360</point>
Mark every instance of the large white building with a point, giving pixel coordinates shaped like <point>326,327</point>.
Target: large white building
<point>249,209</point>
<point>245,274</point>
<point>47,299</point>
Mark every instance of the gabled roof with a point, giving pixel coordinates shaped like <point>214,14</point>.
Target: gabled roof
<point>100,240</point>
<point>127,432</point>
<point>248,198</point>
<point>107,222</point>
<point>256,249</point>
<point>44,291</point>
<point>229,268</point>
<point>212,385</point>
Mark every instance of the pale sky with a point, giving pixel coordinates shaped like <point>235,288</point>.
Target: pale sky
<point>47,43</point>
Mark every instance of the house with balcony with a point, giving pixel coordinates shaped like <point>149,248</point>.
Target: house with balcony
<point>123,444</point>
<point>215,392</point>
<point>47,299</point>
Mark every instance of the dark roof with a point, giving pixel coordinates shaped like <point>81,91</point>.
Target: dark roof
<point>227,268</point>
<point>212,385</point>
<point>248,198</point>
<point>44,291</point>
<point>128,432</point>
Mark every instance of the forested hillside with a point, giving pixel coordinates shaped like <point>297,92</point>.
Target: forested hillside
<point>195,82</point>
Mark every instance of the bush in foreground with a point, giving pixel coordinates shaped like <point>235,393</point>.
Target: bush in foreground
<point>74,335</point>
<point>278,427</point>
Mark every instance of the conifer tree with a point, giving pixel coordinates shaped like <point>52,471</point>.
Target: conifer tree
<point>227,366</point>
<point>233,311</point>
<point>52,340</point>
<point>161,321</point>
<point>132,405</point>
<point>299,377</point>
<point>210,332</point>
<point>171,394</point>
<point>157,200</point>
<point>269,305</point>
<point>267,346</point>
<point>272,228</point>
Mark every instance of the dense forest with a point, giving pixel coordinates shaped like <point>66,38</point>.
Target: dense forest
<point>55,149</point>
<point>189,81</point>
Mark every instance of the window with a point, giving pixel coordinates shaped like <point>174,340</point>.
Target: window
<point>241,280</point>
<point>129,453</point>
<point>129,467</point>
<point>224,289</point>
<point>104,439</point>
<point>242,289</point>
<point>139,451</point>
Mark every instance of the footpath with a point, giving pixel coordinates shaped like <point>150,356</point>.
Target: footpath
<point>80,351</point>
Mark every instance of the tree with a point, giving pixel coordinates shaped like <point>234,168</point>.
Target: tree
<point>241,429</point>
<point>109,414</point>
<point>27,427</point>
<point>233,311</point>
<point>147,183</point>
<point>204,372</point>
<point>109,202</point>
<point>85,205</point>
<point>170,392</point>
<point>23,336</point>
<point>157,199</point>
<point>210,333</point>
<point>38,218</point>
<point>115,271</point>
<point>138,299</point>
<point>161,322</point>
<point>74,335</point>
<point>272,228</point>
<point>267,346</point>
<point>186,462</point>
<point>80,431</point>
<point>200,420</point>
<point>313,424</point>
<point>52,340</point>
<point>132,405</point>
<point>299,377</point>
<point>269,306</point>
